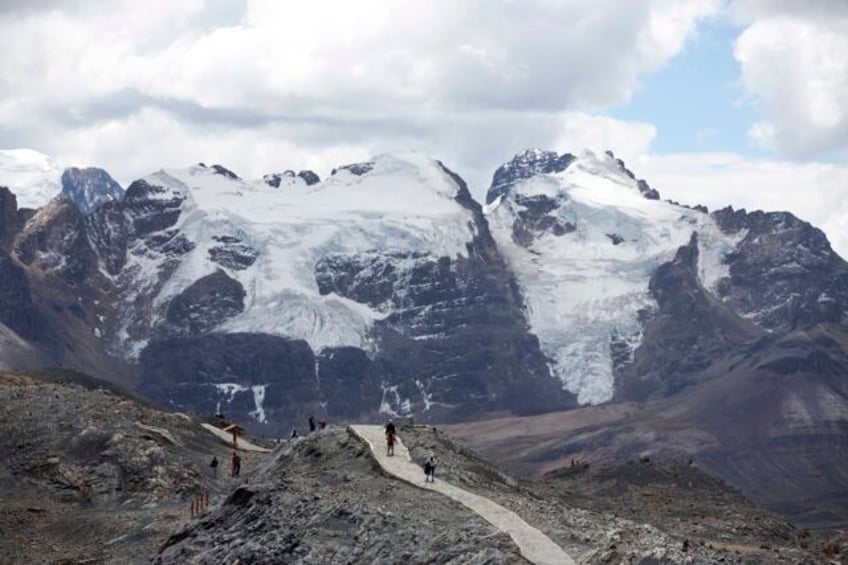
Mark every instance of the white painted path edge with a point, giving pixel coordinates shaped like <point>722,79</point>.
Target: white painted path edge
<point>535,546</point>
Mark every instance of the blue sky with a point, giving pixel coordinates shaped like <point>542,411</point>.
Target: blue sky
<point>696,101</point>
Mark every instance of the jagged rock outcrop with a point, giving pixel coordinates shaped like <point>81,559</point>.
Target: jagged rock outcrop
<point>54,241</point>
<point>288,177</point>
<point>8,217</point>
<point>90,188</point>
<point>17,311</point>
<point>524,166</point>
<point>783,273</point>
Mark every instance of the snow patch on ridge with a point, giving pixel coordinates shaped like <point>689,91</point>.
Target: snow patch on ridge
<point>585,288</point>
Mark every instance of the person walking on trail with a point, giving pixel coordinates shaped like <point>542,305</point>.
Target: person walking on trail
<point>430,469</point>
<point>236,464</point>
<point>391,438</point>
<point>312,423</point>
<point>214,465</point>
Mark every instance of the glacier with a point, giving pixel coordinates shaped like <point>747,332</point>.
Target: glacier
<point>585,284</point>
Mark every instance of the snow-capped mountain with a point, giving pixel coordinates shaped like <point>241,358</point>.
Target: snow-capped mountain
<point>633,297</point>
<point>379,289</point>
<point>32,176</point>
<point>385,288</point>
<point>584,242</point>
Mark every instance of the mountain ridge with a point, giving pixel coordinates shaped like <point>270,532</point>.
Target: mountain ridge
<point>385,289</point>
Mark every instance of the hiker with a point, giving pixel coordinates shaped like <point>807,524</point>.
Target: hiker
<point>214,465</point>
<point>322,424</point>
<point>430,469</point>
<point>236,464</point>
<point>312,423</point>
<point>391,438</point>
<point>294,433</point>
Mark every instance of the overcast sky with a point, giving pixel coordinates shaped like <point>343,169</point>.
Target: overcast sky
<point>741,102</point>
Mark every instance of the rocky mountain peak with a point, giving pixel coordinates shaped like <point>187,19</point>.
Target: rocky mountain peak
<point>525,165</point>
<point>641,184</point>
<point>90,188</point>
<point>289,178</point>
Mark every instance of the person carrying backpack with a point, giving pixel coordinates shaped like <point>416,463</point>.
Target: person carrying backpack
<point>391,438</point>
<point>430,469</point>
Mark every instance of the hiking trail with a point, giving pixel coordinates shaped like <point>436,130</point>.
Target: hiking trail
<point>534,546</point>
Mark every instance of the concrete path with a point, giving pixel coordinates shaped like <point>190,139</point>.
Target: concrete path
<point>535,546</point>
<point>243,444</point>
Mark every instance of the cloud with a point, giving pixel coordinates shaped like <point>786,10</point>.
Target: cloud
<point>471,82</point>
<point>815,192</point>
<point>794,68</point>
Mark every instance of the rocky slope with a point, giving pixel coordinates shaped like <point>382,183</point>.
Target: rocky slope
<point>95,475</point>
<point>92,474</point>
<point>322,500</point>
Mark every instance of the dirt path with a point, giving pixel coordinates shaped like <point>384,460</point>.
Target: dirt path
<point>535,546</point>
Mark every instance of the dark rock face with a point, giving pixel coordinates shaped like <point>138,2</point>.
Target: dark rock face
<point>183,373</point>
<point>349,382</point>
<point>205,304</point>
<point>366,279</point>
<point>525,165</point>
<point>309,177</point>
<point>225,172</point>
<point>55,241</point>
<point>151,208</point>
<point>275,179</point>
<point>783,274</point>
<point>108,230</point>
<point>90,188</point>
<point>232,253</point>
<point>687,334</point>
<point>8,216</point>
<point>17,311</point>
<point>534,219</point>
<point>357,169</point>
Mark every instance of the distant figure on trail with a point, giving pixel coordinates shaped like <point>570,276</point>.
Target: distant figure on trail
<point>236,464</point>
<point>294,433</point>
<point>214,465</point>
<point>322,424</point>
<point>430,469</point>
<point>391,438</point>
<point>312,423</point>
